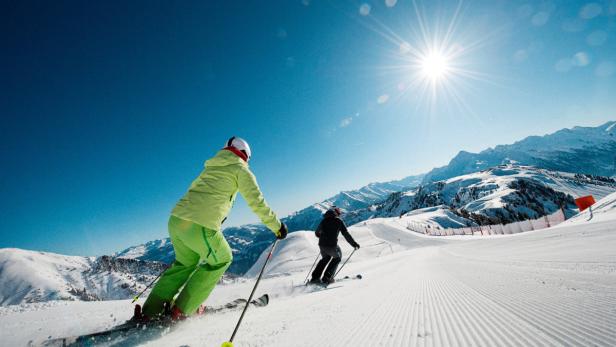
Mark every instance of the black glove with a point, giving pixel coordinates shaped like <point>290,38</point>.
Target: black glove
<point>282,233</point>
<point>356,246</point>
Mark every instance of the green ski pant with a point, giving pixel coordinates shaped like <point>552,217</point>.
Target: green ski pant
<point>201,258</point>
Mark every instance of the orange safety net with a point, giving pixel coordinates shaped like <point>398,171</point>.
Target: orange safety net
<point>584,202</point>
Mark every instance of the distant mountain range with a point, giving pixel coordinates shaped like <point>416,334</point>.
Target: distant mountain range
<point>588,150</point>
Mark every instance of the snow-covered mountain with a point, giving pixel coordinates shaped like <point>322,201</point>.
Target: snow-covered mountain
<point>28,276</point>
<point>160,250</point>
<point>587,150</point>
<point>248,241</point>
<point>502,194</point>
<point>309,218</point>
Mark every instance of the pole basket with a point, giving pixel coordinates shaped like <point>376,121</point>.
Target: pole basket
<point>584,202</point>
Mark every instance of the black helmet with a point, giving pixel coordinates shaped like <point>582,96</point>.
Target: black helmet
<point>335,210</point>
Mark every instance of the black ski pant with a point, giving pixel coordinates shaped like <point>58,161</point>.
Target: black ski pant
<point>331,255</point>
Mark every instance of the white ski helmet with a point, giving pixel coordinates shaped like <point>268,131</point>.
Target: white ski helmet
<point>240,144</point>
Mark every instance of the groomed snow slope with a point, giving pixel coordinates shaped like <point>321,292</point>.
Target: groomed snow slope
<point>548,287</point>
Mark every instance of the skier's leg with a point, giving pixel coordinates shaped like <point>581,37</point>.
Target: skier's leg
<point>333,265</point>
<point>216,257</point>
<point>318,270</point>
<point>173,279</point>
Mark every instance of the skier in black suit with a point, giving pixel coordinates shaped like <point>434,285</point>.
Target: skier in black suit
<point>328,232</point>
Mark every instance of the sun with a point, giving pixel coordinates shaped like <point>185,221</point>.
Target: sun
<point>434,66</point>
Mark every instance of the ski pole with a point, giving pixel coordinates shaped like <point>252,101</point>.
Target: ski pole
<point>237,326</point>
<point>312,267</point>
<point>149,285</point>
<point>350,255</point>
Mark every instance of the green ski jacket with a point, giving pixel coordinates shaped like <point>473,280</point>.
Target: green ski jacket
<point>211,195</point>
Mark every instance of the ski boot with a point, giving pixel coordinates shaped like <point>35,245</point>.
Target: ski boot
<point>315,281</point>
<point>177,314</point>
<point>327,280</point>
<point>138,316</point>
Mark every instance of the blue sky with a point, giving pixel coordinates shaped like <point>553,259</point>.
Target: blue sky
<point>110,108</point>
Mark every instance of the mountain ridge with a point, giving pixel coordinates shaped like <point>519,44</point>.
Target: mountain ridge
<point>589,150</point>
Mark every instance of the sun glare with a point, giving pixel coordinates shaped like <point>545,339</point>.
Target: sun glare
<point>432,62</point>
<point>434,66</point>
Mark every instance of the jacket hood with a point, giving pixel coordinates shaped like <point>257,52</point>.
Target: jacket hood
<point>224,158</point>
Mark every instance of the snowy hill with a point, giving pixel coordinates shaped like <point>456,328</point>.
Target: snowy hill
<point>502,194</point>
<point>603,211</point>
<point>438,216</point>
<point>28,277</point>
<point>546,287</point>
<point>589,150</point>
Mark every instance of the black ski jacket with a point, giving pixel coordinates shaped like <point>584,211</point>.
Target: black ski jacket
<point>329,228</point>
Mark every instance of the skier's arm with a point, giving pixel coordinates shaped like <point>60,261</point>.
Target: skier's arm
<point>347,236</point>
<point>248,187</point>
<point>319,230</point>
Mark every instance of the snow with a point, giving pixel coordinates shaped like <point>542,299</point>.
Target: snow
<point>603,210</point>
<point>47,272</point>
<point>149,251</point>
<point>504,192</point>
<point>554,286</point>
<point>580,150</point>
<point>439,216</point>
<point>492,179</point>
<point>29,277</point>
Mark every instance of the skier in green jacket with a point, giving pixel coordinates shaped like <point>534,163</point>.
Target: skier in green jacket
<point>202,254</point>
